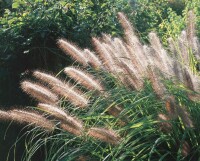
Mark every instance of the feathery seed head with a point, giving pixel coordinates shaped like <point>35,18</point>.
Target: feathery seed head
<point>185,117</point>
<point>187,78</point>
<point>39,92</point>
<point>171,107</point>
<point>73,95</point>
<point>127,26</point>
<point>61,115</point>
<point>104,55</point>
<point>178,71</point>
<point>190,27</point>
<point>71,129</point>
<point>107,39</point>
<point>155,42</point>
<point>83,78</point>
<point>4,115</point>
<point>132,75</point>
<point>47,78</point>
<point>164,125</point>
<point>121,47</point>
<point>156,83</point>
<point>185,150</point>
<point>93,59</point>
<point>105,135</point>
<point>53,110</point>
<point>22,116</point>
<point>73,51</point>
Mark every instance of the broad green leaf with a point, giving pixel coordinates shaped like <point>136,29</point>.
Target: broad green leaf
<point>15,5</point>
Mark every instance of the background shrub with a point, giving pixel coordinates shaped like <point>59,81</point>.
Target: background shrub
<point>166,17</point>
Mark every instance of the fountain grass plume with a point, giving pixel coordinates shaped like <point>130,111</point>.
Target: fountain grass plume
<point>164,123</point>
<point>133,44</point>
<point>61,115</point>
<point>39,92</point>
<point>107,39</point>
<point>185,149</point>
<point>128,29</point>
<point>178,71</point>
<point>137,63</point>
<point>155,42</point>
<point>191,18</point>
<point>73,51</point>
<point>76,97</point>
<point>185,117</point>
<point>184,48</point>
<point>157,85</point>
<point>173,48</point>
<point>188,79</point>
<point>149,54</point>
<point>132,76</point>
<point>170,106</point>
<point>93,59</point>
<point>125,23</point>
<point>104,55</point>
<point>162,57</point>
<point>52,81</point>
<point>86,79</point>
<point>105,135</point>
<point>4,115</point>
<point>47,78</point>
<point>113,53</point>
<point>196,48</point>
<point>121,47</point>
<point>31,118</point>
<point>71,129</point>
<point>53,110</point>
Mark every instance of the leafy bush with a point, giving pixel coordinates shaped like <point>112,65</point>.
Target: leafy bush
<point>167,17</point>
<point>33,26</point>
<point>136,103</point>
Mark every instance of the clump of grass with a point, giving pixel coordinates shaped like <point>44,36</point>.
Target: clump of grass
<point>145,95</point>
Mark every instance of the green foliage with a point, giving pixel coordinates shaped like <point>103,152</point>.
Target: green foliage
<point>166,17</point>
<point>148,15</point>
<point>32,26</point>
